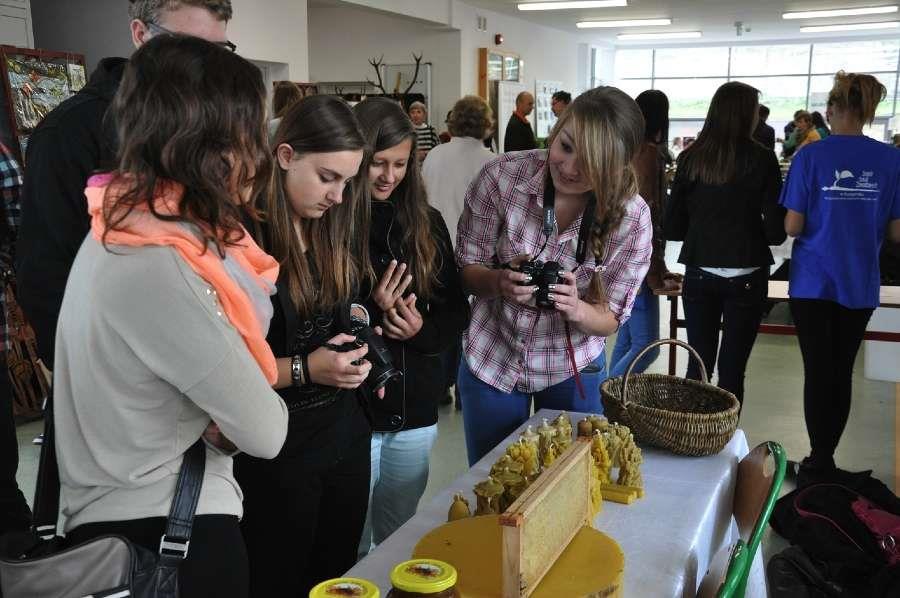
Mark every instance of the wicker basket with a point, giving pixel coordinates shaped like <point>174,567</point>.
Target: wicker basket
<point>683,416</point>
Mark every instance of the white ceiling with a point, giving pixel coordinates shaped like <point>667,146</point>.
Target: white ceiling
<point>715,18</point>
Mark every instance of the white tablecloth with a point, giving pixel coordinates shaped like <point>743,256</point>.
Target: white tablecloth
<point>668,537</point>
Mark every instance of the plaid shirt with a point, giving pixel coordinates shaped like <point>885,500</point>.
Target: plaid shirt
<point>10,185</point>
<point>519,347</point>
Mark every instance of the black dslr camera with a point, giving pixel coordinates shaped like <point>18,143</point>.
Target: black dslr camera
<point>379,356</point>
<point>542,276</point>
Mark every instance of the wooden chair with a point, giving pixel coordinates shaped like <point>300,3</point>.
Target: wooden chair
<point>759,479</point>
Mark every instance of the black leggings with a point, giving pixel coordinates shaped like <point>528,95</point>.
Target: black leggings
<point>829,335</point>
<point>216,564</point>
<point>732,305</point>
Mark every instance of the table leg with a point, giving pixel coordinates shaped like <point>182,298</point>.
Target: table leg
<point>673,331</point>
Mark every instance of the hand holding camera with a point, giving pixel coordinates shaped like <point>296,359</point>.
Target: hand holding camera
<point>340,368</point>
<point>515,284</point>
<point>564,297</point>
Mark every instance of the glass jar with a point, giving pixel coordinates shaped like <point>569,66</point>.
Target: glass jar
<point>423,578</point>
<point>345,586</point>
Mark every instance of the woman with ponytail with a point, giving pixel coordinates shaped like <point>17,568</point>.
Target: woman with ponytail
<point>843,196</point>
<point>600,235</point>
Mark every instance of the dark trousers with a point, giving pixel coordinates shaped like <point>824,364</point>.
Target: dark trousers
<point>732,305</point>
<point>216,563</point>
<point>829,335</point>
<point>14,512</point>
<point>303,524</point>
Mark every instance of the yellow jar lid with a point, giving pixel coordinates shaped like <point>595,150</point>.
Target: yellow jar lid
<point>423,576</point>
<point>345,586</point>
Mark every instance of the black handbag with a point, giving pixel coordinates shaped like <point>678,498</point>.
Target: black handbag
<point>39,564</point>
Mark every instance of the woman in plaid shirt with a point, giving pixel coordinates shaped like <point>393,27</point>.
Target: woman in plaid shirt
<point>515,351</point>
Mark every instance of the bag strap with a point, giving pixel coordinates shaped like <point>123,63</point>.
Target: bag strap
<point>173,545</point>
<point>46,489</point>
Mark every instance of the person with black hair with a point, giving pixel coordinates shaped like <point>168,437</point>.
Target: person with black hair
<point>650,167</point>
<point>764,134</point>
<point>559,102</point>
<point>724,206</point>
<point>820,124</point>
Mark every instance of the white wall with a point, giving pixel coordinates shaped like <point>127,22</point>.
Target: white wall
<point>343,39</point>
<point>269,30</point>
<point>548,53</point>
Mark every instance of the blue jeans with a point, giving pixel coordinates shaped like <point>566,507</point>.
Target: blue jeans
<point>399,475</point>
<point>490,415</point>
<point>641,329</point>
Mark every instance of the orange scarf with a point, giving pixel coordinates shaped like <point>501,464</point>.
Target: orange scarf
<point>141,228</point>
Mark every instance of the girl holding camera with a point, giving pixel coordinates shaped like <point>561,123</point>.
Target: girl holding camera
<point>515,350</point>
<point>304,510</point>
<point>419,303</point>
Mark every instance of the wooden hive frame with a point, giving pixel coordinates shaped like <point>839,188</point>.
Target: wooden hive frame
<point>538,527</point>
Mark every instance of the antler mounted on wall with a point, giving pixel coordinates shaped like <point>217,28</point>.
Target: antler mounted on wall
<point>376,64</point>
<point>415,76</point>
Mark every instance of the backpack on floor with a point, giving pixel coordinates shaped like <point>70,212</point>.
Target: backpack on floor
<point>853,540</point>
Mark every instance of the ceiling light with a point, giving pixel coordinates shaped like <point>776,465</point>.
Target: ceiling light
<point>569,5</point>
<point>628,23</point>
<point>840,12</point>
<point>851,27</point>
<point>673,35</point>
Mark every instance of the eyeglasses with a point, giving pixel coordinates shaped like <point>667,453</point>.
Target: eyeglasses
<point>158,29</point>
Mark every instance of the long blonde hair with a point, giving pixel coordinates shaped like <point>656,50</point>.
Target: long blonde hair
<point>607,129</point>
<point>318,124</point>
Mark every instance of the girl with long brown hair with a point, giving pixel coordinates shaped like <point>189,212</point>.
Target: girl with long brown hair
<point>418,301</point>
<point>843,196</point>
<point>314,493</point>
<point>599,236</point>
<point>724,206</point>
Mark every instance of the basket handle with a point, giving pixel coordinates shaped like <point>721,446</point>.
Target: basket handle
<point>650,347</point>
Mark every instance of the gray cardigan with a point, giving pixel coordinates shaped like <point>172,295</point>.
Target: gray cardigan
<point>145,358</point>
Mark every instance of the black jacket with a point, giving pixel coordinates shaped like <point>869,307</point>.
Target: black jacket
<point>519,136</point>
<point>730,225</point>
<point>70,144</point>
<point>765,135</point>
<point>412,401</point>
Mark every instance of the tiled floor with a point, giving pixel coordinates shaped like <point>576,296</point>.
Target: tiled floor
<point>773,411</point>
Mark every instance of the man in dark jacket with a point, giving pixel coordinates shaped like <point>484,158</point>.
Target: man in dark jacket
<point>70,144</point>
<point>519,134</point>
<point>764,134</point>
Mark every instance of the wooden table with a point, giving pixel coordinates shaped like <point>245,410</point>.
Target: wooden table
<point>778,291</point>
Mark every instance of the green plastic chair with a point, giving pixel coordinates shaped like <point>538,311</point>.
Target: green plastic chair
<point>760,476</point>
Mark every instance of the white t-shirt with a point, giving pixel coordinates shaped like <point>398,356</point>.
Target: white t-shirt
<point>448,170</point>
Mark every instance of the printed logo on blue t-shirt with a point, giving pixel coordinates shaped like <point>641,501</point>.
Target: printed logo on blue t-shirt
<point>863,185</point>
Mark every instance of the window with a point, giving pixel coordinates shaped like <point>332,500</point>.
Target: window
<point>691,62</point>
<point>783,95</point>
<point>790,77</point>
<point>855,57</point>
<point>770,60</point>
<point>630,64</point>
<point>688,98</point>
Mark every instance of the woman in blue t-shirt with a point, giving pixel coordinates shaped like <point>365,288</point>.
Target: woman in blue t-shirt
<point>841,194</point>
